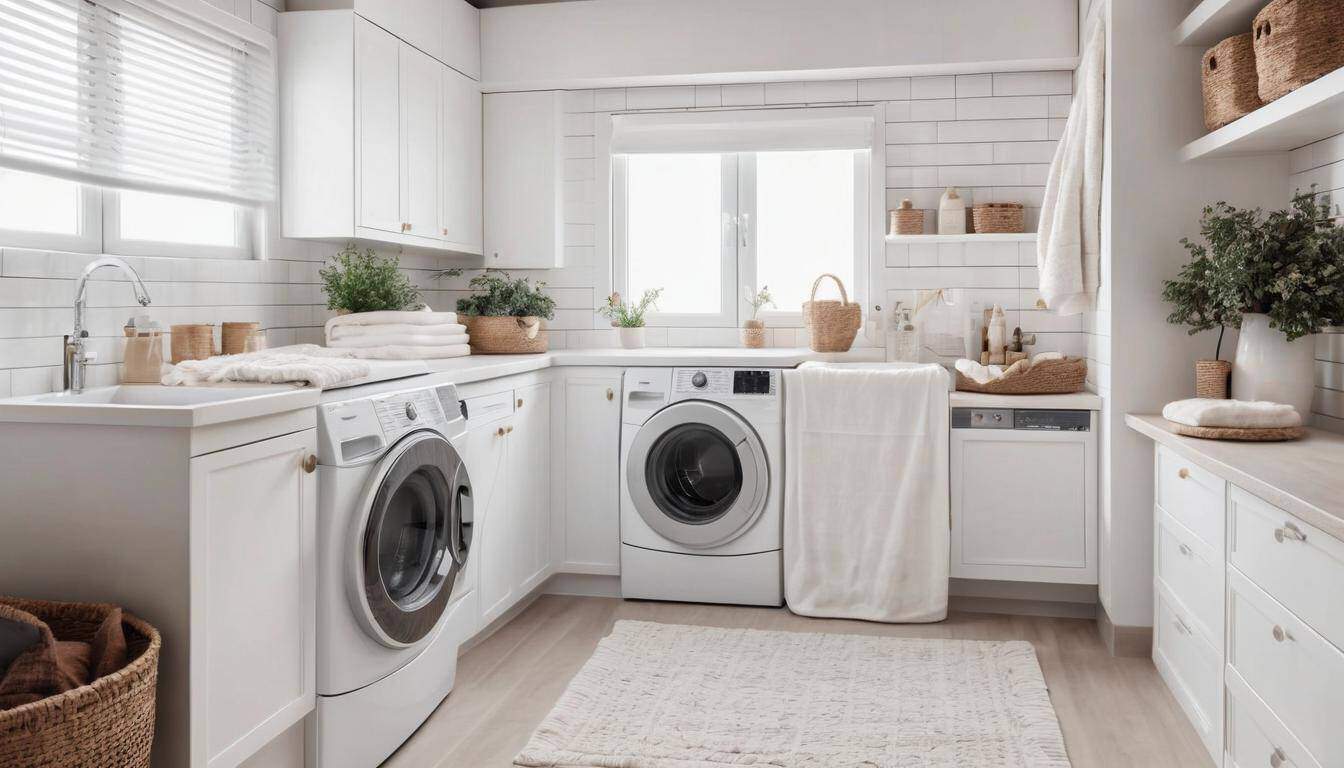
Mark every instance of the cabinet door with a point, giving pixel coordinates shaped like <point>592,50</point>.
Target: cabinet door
<point>377,128</point>
<point>462,37</point>
<point>487,453</point>
<point>419,22</point>
<point>529,475</point>
<point>523,221</point>
<point>460,195</point>
<point>253,596</point>
<point>592,475</point>
<point>420,91</point>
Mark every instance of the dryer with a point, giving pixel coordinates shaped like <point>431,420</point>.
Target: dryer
<point>701,485</point>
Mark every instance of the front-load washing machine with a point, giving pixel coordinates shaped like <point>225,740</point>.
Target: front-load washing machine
<point>394,534</point>
<point>701,495</point>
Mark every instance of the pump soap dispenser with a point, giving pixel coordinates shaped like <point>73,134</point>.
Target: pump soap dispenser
<point>951,213</point>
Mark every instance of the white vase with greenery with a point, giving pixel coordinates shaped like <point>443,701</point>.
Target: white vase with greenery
<point>628,317</point>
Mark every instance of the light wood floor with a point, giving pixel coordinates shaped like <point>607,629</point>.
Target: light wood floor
<point>1114,712</point>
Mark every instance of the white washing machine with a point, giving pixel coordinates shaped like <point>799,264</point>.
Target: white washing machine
<point>394,533</point>
<point>701,485</point>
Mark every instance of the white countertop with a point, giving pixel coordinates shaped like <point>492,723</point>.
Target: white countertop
<point>1302,477</point>
<point>152,405</point>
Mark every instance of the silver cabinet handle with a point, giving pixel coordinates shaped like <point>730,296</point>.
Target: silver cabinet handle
<point>1180,625</point>
<point>1185,550</point>
<point>1280,634</point>
<point>1289,532</point>
<point>1277,758</point>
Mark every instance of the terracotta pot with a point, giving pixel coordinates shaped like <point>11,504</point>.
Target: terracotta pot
<point>753,334</point>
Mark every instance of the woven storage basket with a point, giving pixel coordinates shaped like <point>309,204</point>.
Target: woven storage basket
<point>233,337</point>
<point>1231,88</point>
<point>506,335</point>
<point>1297,41</point>
<point>1211,379</point>
<point>108,723</point>
<point>832,324</point>
<point>906,220</point>
<point>194,341</point>
<point>1048,377</point>
<point>997,217</point>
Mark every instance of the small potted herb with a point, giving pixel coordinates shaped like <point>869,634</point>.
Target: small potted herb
<point>629,317</point>
<point>504,315</point>
<point>367,282</point>
<point>753,330</point>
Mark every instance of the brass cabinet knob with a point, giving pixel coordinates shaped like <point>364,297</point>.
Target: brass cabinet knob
<point>1184,473</point>
<point>500,432</point>
<point>610,394</point>
<point>520,402</point>
<point>509,430</point>
<point>310,463</point>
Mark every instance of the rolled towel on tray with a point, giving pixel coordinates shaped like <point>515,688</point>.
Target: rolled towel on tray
<point>1234,414</point>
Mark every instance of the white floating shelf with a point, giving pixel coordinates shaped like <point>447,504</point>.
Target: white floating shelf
<point>988,237</point>
<point>1311,113</point>
<point>1215,20</point>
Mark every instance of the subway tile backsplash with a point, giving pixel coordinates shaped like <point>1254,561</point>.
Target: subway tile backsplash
<point>1322,164</point>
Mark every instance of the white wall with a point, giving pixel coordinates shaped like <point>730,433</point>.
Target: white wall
<point>553,45</point>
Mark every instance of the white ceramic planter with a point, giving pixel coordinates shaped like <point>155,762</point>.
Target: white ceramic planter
<point>1268,367</point>
<point>632,338</point>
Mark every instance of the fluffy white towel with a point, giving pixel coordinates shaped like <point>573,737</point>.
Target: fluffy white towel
<point>391,329</point>
<point>1240,414</point>
<point>398,339</point>
<point>418,317</point>
<point>410,352</point>
<point>318,366</point>
<point>866,506</point>
<point>980,374</point>
<point>1068,244</point>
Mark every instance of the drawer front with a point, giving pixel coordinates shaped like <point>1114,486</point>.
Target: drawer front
<point>1193,571</point>
<point>487,408</point>
<point>1192,495</point>
<point>1191,667</point>
<point>1298,674</point>
<point>1255,737</point>
<point>1297,564</point>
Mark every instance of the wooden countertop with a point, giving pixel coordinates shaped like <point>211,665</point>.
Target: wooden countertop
<point>1302,477</point>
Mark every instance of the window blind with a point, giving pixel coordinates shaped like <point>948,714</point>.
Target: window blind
<point>138,94</point>
<point>753,130</point>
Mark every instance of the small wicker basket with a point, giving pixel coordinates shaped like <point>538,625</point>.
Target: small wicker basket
<point>506,335</point>
<point>108,723</point>
<point>1231,87</point>
<point>194,341</point>
<point>1211,379</point>
<point>997,218</point>
<point>831,324</point>
<point>1297,41</point>
<point>233,337</point>
<point>906,220</point>
<point>1048,377</point>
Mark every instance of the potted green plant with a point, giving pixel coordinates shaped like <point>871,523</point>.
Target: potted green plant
<point>753,330</point>
<point>1280,278</point>
<point>504,315</point>
<point>629,317</point>
<point>367,282</point>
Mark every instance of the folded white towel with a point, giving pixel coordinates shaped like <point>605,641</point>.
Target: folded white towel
<point>318,366</point>
<point>398,340</point>
<point>391,329</point>
<point>411,352</point>
<point>1238,414</point>
<point>418,317</point>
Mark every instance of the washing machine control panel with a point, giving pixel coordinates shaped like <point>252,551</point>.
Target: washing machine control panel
<point>753,382</point>
<point>725,381</point>
<point>405,411</point>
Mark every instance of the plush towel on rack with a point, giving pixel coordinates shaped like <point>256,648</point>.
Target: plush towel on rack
<point>301,363</point>
<point>398,339</point>
<point>866,505</point>
<point>393,329</point>
<point>1237,414</point>
<point>1068,243</point>
<point>412,352</point>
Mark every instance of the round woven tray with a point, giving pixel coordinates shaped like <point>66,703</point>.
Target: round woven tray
<point>1048,377</point>
<point>1232,433</point>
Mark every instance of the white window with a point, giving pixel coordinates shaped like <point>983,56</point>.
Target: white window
<point>704,226</point>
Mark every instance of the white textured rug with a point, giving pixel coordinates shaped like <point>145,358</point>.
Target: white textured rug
<point>674,696</point>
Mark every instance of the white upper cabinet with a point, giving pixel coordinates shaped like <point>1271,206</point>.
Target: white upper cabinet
<point>378,128</point>
<point>462,37</point>
<point>420,90</point>
<point>418,22</point>
<point>460,195</point>
<point>524,224</point>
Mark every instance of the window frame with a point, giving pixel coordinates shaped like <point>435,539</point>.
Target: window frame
<point>113,242</point>
<point>89,239</point>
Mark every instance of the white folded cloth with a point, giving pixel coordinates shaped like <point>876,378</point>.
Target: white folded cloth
<point>392,329</point>
<point>399,339</point>
<point>984,374</point>
<point>411,352</point>
<point>317,366</point>
<point>418,317</point>
<point>1237,414</point>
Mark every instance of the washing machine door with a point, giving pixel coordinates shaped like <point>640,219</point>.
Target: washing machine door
<point>412,540</point>
<point>697,474</point>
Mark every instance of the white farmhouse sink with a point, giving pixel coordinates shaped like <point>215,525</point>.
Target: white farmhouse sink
<point>154,405</point>
<point>151,394</point>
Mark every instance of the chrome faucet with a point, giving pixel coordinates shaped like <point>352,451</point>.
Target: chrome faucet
<point>76,356</point>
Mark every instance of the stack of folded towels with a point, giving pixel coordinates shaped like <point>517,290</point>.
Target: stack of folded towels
<point>1232,414</point>
<point>420,335</point>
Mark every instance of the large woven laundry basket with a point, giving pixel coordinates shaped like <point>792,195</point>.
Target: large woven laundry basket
<point>832,324</point>
<point>108,723</point>
<point>1297,41</point>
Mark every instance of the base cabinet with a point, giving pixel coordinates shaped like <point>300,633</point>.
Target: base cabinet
<point>591,474</point>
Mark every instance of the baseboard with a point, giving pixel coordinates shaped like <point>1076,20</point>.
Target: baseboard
<point>1134,642</point>
<point>1049,608</point>
<point>583,585</point>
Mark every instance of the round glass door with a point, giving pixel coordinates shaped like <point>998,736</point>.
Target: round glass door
<point>408,558</point>
<point>697,474</point>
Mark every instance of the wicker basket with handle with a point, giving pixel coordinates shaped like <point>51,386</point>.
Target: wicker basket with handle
<point>108,723</point>
<point>832,324</point>
<point>1048,377</point>
<point>1297,41</point>
<point>505,335</point>
<point>1231,88</point>
<point>997,218</point>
